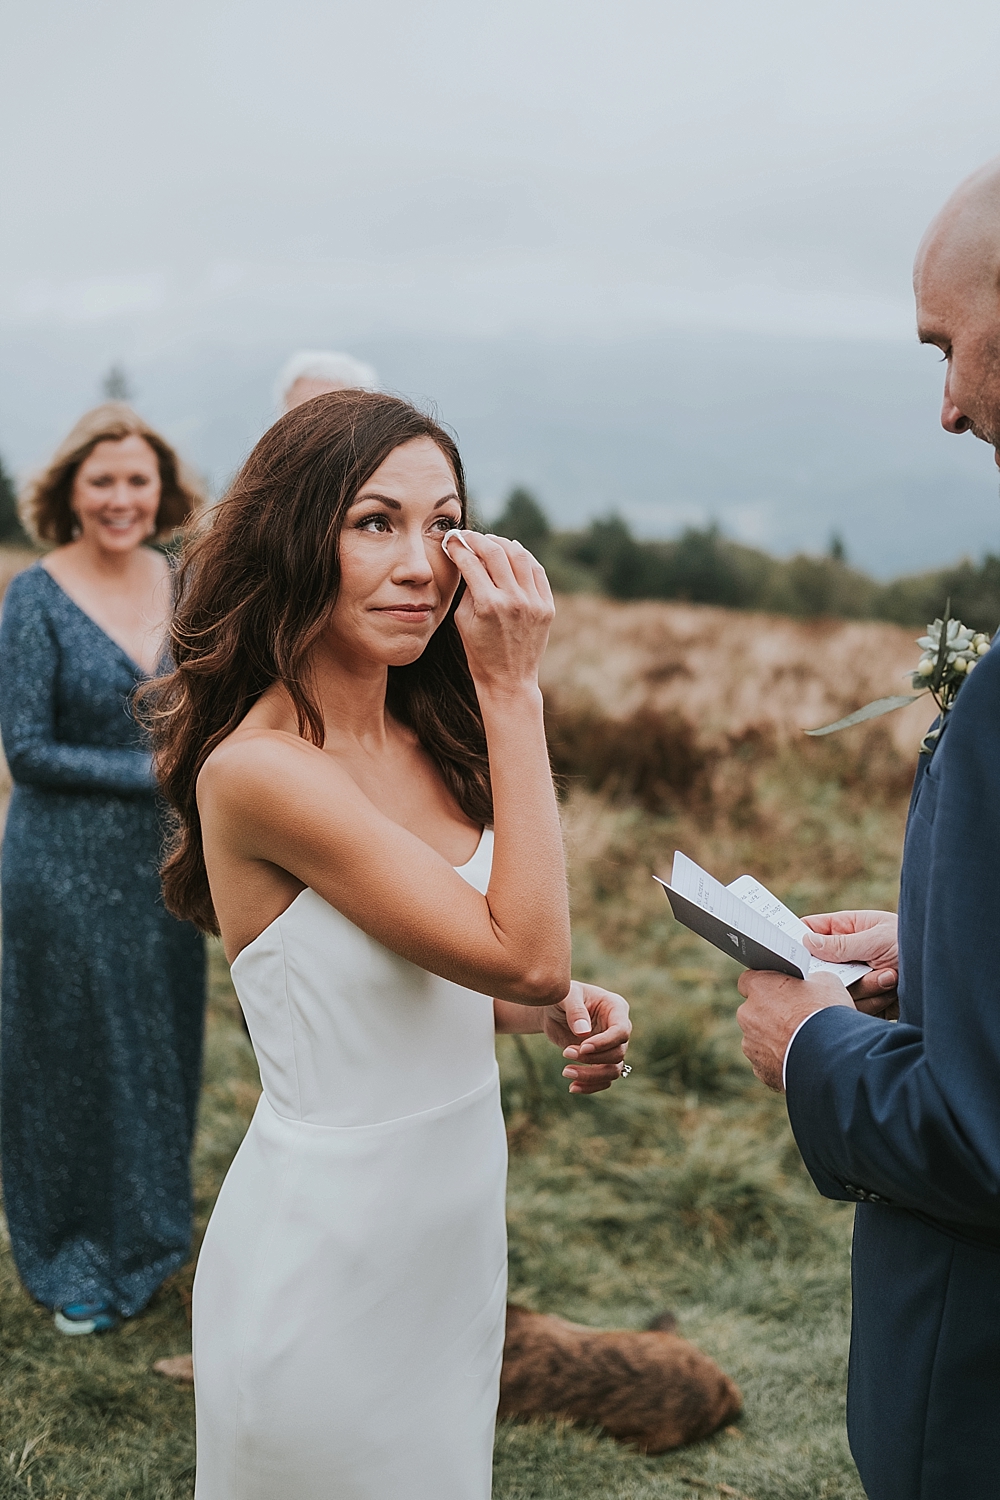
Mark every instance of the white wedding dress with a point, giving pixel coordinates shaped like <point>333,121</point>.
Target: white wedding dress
<point>349,1301</point>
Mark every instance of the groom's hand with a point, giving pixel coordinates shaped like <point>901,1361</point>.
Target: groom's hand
<point>592,1027</point>
<point>775,1006</point>
<point>868,937</point>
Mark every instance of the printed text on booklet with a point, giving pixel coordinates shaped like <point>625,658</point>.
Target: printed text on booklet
<point>747,922</point>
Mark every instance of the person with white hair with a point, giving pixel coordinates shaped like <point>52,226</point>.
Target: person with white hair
<point>314,372</point>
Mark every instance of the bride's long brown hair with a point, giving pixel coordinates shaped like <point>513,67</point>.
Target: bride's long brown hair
<point>254,593</point>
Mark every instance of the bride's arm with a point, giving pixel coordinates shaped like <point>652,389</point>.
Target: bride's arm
<point>271,797</point>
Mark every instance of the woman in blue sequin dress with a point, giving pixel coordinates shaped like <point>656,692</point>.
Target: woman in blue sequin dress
<point>102,1001</point>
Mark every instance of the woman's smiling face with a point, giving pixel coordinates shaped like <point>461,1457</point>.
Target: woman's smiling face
<point>116,494</point>
<point>396,581</point>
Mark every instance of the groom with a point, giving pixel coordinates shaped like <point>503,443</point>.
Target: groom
<point>905,1119</point>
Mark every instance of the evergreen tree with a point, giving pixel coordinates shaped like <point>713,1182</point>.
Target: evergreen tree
<point>701,568</point>
<point>116,385</point>
<point>523,520</point>
<point>12,533</point>
<point>625,568</point>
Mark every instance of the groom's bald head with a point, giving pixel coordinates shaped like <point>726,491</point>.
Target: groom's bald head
<point>956,279</point>
<point>965,235</point>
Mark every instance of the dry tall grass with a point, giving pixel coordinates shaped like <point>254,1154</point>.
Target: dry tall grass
<point>724,672</point>
<point>699,712</point>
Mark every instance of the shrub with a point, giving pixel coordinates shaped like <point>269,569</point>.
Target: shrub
<point>648,757</point>
<point>974,592</point>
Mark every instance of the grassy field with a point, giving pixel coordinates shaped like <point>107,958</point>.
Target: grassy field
<point>682,1188</point>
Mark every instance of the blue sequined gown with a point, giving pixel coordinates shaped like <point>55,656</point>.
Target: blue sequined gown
<point>102,991</point>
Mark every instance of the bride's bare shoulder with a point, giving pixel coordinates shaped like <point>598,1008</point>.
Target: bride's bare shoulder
<point>258,761</point>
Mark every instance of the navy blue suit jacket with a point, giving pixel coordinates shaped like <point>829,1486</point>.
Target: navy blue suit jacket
<point>905,1119</point>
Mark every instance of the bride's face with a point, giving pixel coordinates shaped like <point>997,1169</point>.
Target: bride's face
<point>396,581</point>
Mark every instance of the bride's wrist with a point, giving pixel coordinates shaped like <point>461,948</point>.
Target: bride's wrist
<point>502,697</point>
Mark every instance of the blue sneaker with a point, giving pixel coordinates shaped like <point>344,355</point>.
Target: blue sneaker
<point>86,1317</point>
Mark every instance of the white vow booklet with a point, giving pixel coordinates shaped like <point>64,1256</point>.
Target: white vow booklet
<point>747,922</point>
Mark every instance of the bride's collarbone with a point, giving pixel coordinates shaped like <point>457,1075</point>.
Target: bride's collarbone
<point>322,788</point>
<point>411,793</point>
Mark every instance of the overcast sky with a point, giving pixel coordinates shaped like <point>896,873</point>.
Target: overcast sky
<point>183,175</point>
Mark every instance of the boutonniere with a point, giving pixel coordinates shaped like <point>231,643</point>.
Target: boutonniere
<point>950,652</point>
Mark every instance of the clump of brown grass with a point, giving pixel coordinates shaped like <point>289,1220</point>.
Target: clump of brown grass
<point>726,673</point>
<point>649,757</point>
<point>656,760</point>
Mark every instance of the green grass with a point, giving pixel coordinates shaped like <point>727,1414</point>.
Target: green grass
<point>681,1188</point>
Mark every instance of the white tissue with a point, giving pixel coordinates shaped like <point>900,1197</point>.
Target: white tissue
<point>455,535</point>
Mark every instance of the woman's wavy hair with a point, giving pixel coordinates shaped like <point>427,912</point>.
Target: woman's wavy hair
<point>44,505</point>
<point>254,593</point>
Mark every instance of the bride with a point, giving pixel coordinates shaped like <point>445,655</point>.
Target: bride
<point>352,742</point>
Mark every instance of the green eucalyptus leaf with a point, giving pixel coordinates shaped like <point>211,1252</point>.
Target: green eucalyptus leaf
<point>942,651</point>
<point>870,711</point>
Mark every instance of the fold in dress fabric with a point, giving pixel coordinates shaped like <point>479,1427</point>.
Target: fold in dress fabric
<point>350,1296</point>
<point>102,991</point>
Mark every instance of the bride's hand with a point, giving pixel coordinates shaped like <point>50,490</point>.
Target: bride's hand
<point>592,1027</point>
<point>868,937</point>
<point>506,612</point>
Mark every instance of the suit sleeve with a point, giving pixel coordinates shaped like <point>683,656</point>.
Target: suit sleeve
<point>29,662</point>
<point>911,1115</point>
